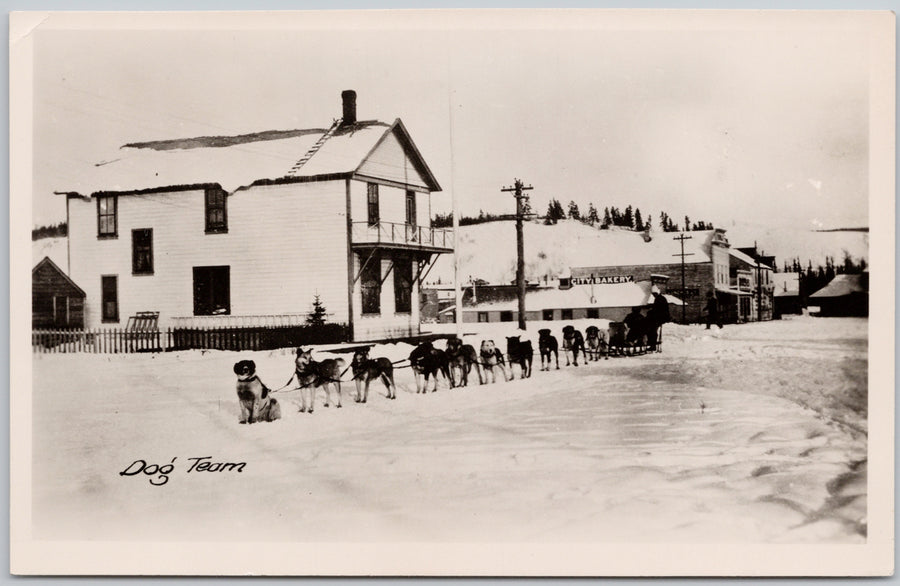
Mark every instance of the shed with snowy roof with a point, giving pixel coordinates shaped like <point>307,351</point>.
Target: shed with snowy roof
<point>844,296</point>
<point>225,231</point>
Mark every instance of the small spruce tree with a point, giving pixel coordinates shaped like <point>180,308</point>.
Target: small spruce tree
<point>316,317</point>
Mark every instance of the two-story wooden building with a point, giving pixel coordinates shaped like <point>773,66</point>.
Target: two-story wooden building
<point>225,231</point>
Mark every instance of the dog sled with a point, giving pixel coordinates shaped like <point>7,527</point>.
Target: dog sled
<point>619,345</point>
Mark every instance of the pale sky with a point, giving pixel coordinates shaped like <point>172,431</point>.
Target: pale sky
<point>755,119</point>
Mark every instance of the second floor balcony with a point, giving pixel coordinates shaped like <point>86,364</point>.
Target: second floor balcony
<point>407,236</point>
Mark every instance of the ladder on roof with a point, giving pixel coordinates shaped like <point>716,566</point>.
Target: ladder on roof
<point>314,148</point>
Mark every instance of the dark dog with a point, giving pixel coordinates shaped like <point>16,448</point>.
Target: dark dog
<point>491,358</point>
<point>521,353</point>
<point>597,342</point>
<point>462,357</point>
<point>253,395</point>
<point>311,375</point>
<point>548,345</point>
<point>366,369</point>
<point>426,360</point>
<point>573,343</point>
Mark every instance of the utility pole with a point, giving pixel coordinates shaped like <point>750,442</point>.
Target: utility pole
<point>758,289</point>
<point>682,238</point>
<point>518,187</point>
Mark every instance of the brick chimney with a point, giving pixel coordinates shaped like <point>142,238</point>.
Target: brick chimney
<point>349,99</point>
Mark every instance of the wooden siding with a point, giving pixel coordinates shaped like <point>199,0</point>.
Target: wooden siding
<point>388,323</point>
<point>284,244</point>
<point>391,204</point>
<point>390,161</point>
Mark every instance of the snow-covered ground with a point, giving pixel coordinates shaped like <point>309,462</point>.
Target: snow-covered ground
<point>753,433</point>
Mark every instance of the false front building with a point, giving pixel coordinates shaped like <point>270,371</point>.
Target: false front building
<point>228,231</point>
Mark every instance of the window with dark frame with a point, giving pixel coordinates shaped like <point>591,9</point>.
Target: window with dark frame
<point>212,290</point>
<point>593,313</point>
<point>482,317</point>
<point>216,211</point>
<point>506,316</point>
<point>109,298</point>
<point>372,203</point>
<point>370,286</point>
<point>403,285</point>
<point>107,216</point>
<point>411,207</point>
<point>548,315</point>
<point>565,314</point>
<point>142,251</point>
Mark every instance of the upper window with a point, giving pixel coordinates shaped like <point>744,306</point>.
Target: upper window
<point>547,315</point>
<point>212,290</point>
<point>142,251</point>
<point>566,314</point>
<point>107,219</point>
<point>411,208</point>
<point>216,210</point>
<point>372,203</point>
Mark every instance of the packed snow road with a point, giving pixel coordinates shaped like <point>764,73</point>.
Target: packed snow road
<point>754,433</point>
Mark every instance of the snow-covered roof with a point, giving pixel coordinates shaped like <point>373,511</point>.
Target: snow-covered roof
<point>841,286</point>
<point>234,162</point>
<point>618,295</point>
<point>735,253</point>
<point>786,284</point>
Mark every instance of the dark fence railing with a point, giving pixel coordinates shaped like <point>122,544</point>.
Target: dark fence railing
<point>120,341</point>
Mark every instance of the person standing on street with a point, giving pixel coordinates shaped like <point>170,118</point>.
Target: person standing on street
<point>656,317</point>
<point>712,310</point>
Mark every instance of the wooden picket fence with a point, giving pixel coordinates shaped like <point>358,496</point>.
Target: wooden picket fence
<point>122,341</point>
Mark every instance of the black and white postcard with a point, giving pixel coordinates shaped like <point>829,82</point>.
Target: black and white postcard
<point>452,292</point>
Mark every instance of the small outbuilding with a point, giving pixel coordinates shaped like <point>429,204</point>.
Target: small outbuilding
<point>844,296</point>
<point>56,301</point>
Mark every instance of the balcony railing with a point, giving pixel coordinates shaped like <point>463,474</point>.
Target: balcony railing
<point>401,234</point>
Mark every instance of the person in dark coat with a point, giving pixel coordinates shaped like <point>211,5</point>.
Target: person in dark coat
<point>637,325</point>
<point>656,317</point>
<point>712,310</point>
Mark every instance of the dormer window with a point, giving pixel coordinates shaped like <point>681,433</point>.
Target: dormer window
<point>216,211</point>
<point>107,216</point>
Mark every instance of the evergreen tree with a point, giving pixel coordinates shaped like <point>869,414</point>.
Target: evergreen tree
<point>628,218</point>
<point>592,217</point>
<point>664,221</point>
<point>526,206</point>
<point>574,214</point>
<point>607,219</point>
<point>648,225</point>
<point>687,224</point>
<point>316,317</point>
<point>638,221</point>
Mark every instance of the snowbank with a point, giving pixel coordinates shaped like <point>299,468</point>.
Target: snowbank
<point>753,433</point>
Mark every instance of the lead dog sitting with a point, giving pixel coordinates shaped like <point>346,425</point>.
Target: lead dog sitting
<point>253,396</point>
<point>573,343</point>
<point>462,357</point>
<point>491,358</point>
<point>311,375</point>
<point>366,369</point>
<point>548,345</point>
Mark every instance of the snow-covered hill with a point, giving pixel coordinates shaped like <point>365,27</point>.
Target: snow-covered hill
<point>488,251</point>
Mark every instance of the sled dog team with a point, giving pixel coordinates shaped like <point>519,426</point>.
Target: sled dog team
<point>455,364</point>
